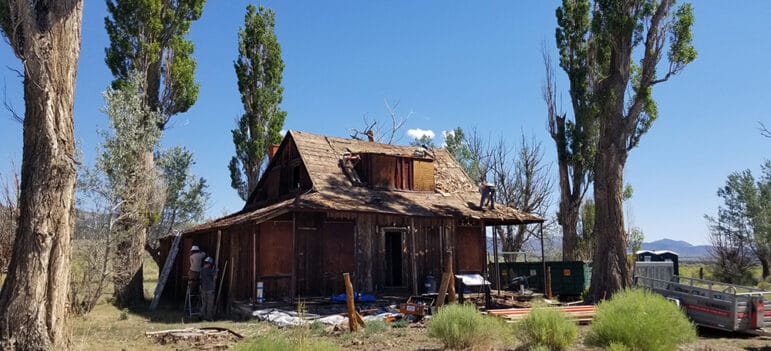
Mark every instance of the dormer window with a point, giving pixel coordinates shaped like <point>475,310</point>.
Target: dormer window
<point>392,172</point>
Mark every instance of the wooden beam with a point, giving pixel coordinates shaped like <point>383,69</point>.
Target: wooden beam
<point>543,256</point>
<point>293,283</point>
<point>548,282</point>
<point>451,288</point>
<point>352,322</point>
<point>217,253</point>
<point>443,289</point>
<point>412,253</point>
<point>254,264</point>
<point>496,262</point>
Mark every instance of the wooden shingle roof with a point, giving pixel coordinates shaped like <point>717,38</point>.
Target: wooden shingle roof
<point>455,194</point>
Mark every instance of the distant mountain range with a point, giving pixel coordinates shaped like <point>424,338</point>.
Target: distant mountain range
<point>682,248</point>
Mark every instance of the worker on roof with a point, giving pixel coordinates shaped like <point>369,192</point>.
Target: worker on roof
<point>208,281</point>
<point>488,194</point>
<point>196,263</point>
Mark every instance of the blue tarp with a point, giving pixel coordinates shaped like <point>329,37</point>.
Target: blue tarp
<point>357,296</point>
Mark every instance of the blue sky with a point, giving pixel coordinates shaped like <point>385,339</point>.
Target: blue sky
<point>462,63</point>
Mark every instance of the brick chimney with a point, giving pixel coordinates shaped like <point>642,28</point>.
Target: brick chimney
<point>272,151</point>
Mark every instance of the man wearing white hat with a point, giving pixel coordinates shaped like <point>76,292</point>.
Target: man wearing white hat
<point>196,261</point>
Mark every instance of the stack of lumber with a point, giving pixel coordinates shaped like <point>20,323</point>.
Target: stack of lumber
<point>582,314</point>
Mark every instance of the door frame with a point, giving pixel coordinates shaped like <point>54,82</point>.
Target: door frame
<point>404,267</point>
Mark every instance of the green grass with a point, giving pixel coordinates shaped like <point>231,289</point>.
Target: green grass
<point>462,327</point>
<point>691,270</point>
<point>640,320</point>
<point>273,343</point>
<point>547,327</point>
<point>375,327</point>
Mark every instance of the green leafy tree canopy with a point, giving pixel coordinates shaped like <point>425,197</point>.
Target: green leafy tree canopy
<point>148,36</point>
<point>259,68</point>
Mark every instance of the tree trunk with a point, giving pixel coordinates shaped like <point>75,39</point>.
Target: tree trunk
<point>128,277</point>
<point>610,272</point>
<point>155,254</point>
<point>569,222</point>
<point>34,295</point>
<point>765,264</point>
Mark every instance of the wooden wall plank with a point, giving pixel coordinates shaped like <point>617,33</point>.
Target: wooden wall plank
<point>423,175</point>
<point>383,175</point>
<point>337,252</point>
<point>468,256</point>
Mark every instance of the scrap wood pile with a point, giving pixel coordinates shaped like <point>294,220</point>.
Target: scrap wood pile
<point>582,314</point>
<point>211,338</point>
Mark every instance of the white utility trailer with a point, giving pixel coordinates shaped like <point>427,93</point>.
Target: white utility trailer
<point>708,303</point>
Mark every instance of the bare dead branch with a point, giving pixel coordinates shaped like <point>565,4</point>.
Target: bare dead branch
<point>396,122</point>
<point>764,130</point>
<point>15,116</point>
<point>368,131</point>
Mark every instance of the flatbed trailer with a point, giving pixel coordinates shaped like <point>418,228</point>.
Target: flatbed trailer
<point>707,303</point>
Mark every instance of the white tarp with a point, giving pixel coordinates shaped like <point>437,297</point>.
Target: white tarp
<point>292,319</point>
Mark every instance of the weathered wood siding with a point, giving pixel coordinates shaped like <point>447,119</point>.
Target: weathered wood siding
<point>305,254</point>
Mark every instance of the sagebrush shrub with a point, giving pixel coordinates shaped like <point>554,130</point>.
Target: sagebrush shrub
<point>462,326</point>
<point>547,327</point>
<point>640,320</point>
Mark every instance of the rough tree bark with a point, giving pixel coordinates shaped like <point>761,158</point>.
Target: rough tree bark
<point>46,36</point>
<point>610,243</point>
<point>128,276</point>
<point>626,111</point>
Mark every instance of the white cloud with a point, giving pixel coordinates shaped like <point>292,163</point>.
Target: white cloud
<point>282,132</point>
<point>445,135</point>
<point>418,133</point>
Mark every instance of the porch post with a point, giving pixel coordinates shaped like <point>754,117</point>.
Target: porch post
<point>497,269</point>
<point>543,257</point>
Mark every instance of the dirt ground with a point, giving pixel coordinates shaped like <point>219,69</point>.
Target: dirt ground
<point>108,328</point>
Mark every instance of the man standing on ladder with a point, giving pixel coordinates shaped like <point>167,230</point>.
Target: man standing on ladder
<point>208,278</point>
<point>196,261</point>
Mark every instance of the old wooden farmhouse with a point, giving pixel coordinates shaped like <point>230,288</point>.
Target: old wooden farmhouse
<point>328,205</point>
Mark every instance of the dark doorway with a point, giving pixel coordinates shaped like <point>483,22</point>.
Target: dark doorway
<point>393,258</point>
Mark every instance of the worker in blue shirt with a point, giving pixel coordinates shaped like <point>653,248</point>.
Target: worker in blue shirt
<point>208,280</point>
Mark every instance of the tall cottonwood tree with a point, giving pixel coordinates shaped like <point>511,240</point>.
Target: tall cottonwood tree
<point>126,143</point>
<point>622,92</point>
<point>575,139</point>
<point>45,35</point>
<point>148,37</point>
<point>259,68</point>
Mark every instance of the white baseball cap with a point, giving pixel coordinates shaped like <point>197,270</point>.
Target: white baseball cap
<point>195,248</point>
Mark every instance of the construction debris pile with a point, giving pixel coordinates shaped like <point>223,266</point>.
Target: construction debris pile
<point>211,338</point>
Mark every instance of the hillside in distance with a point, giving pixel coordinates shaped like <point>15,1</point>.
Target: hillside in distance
<point>682,248</point>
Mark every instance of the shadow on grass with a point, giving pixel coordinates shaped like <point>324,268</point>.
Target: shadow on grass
<point>710,333</point>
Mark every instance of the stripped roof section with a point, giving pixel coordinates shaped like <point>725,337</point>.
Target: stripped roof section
<point>321,155</point>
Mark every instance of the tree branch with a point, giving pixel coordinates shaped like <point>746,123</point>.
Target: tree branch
<point>15,116</point>
<point>764,130</point>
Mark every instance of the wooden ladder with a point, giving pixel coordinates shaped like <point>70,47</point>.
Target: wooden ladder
<point>166,271</point>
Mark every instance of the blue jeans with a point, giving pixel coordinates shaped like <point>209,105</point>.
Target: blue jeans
<point>487,193</point>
